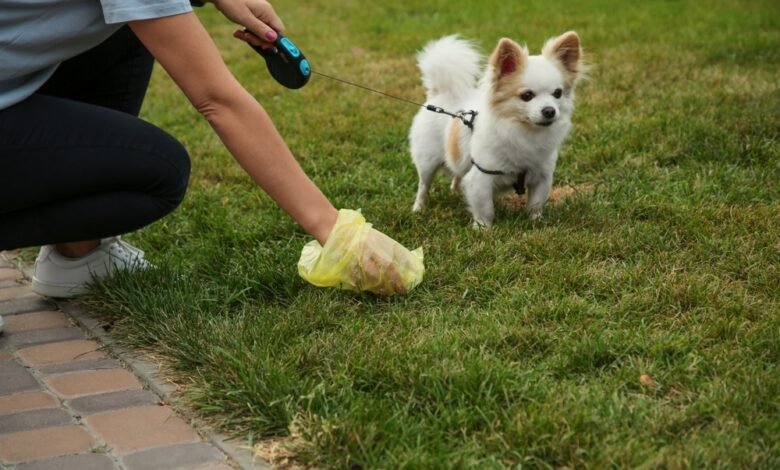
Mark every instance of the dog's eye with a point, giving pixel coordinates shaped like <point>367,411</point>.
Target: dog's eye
<point>527,95</point>
<point>558,93</point>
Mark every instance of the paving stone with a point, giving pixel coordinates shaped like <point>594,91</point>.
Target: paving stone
<point>26,446</point>
<point>6,356</point>
<point>9,274</point>
<point>36,419</point>
<point>10,293</point>
<point>36,321</point>
<point>33,303</point>
<point>27,401</point>
<point>93,364</point>
<point>51,335</point>
<point>58,353</point>
<point>14,379</point>
<point>6,284</point>
<point>141,428</point>
<point>92,382</point>
<point>80,462</point>
<point>173,457</point>
<point>113,401</point>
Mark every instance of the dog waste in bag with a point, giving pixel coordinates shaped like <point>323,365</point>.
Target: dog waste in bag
<point>360,258</point>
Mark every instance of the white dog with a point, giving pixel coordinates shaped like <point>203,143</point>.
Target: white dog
<point>524,106</point>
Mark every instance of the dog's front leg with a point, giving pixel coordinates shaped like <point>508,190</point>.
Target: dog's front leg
<point>478,191</point>
<point>539,186</point>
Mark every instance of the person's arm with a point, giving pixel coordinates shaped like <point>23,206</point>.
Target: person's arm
<point>374,261</point>
<point>185,50</point>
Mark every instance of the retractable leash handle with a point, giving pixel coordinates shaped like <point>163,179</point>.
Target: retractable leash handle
<point>286,63</point>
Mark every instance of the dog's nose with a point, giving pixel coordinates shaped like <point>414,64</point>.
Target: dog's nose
<point>548,112</point>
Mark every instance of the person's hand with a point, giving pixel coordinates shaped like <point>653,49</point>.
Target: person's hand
<point>361,258</point>
<point>382,263</point>
<point>258,16</point>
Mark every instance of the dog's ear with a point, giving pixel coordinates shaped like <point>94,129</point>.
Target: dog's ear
<point>565,49</point>
<point>508,58</point>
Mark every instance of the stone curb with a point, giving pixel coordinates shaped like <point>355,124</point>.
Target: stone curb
<point>146,372</point>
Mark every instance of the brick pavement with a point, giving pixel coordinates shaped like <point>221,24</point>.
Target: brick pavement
<point>66,404</point>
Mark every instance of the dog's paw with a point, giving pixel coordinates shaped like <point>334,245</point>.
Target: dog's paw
<point>535,215</point>
<point>481,225</point>
<point>417,207</point>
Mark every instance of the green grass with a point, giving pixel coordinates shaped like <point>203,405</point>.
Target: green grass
<point>525,343</point>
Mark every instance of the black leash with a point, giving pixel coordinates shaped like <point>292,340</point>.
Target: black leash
<point>466,116</point>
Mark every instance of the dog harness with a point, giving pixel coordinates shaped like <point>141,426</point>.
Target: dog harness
<point>519,185</point>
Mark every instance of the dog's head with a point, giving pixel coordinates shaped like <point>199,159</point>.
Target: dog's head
<point>536,91</point>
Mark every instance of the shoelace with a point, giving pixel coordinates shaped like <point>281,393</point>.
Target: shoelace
<point>126,252</point>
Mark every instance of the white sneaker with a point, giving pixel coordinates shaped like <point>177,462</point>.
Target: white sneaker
<point>60,276</point>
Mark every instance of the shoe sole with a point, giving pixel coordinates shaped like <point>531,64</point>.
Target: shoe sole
<point>63,291</point>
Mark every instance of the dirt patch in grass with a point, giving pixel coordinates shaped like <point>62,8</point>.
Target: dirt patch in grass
<point>277,451</point>
<point>558,195</point>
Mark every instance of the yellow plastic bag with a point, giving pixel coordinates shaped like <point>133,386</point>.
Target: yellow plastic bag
<point>360,258</point>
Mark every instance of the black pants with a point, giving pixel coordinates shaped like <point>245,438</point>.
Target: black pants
<point>76,163</point>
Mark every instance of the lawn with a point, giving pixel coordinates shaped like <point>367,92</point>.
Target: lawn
<point>636,325</point>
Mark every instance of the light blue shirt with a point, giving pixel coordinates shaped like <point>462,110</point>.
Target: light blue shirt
<point>37,35</point>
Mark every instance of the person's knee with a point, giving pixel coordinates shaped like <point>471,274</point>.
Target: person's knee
<point>173,180</point>
<point>180,160</point>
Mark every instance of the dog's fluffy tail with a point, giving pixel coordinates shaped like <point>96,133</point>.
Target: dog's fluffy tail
<point>450,66</point>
